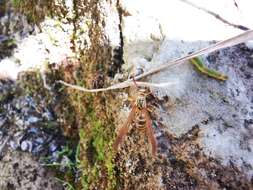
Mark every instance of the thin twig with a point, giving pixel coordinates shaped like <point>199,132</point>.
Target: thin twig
<point>243,37</point>
<point>217,16</point>
<point>119,86</point>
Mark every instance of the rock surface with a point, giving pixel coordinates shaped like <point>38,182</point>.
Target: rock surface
<point>203,127</point>
<point>20,170</point>
<point>29,130</point>
<point>221,111</point>
<point>27,125</point>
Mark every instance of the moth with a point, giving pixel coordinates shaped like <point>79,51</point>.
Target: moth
<point>140,119</point>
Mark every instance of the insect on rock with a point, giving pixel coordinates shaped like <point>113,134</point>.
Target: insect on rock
<point>139,118</point>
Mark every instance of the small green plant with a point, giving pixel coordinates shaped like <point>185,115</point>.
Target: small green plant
<point>199,65</point>
<point>66,184</point>
<point>71,166</point>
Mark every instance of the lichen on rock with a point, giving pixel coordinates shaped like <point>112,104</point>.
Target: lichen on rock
<point>202,126</point>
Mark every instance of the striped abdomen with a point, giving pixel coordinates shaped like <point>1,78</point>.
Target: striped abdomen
<point>140,122</point>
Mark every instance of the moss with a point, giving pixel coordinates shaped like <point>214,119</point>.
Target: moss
<point>88,115</point>
<point>32,84</point>
<point>96,134</point>
<point>94,120</point>
<point>6,47</point>
<point>36,10</point>
<point>97,159</point>
<point>93,113</point>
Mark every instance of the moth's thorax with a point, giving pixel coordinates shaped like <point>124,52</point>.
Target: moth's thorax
<point>141,102</point>
<point>141,99</point>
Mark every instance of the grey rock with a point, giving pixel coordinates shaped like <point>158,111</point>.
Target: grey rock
<point>20,170</point>
<point>13,145</point>
<point>26,146</point>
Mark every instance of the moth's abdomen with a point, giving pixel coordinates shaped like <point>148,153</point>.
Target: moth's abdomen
<point>140,122</point>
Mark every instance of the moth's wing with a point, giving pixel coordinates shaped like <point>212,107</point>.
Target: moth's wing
<point>150,132</point>
<point>123,130</point>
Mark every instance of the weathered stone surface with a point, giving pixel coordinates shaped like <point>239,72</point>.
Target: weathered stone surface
<point>203,126</point>
<point>19,170</point>
<point>222,111</point>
